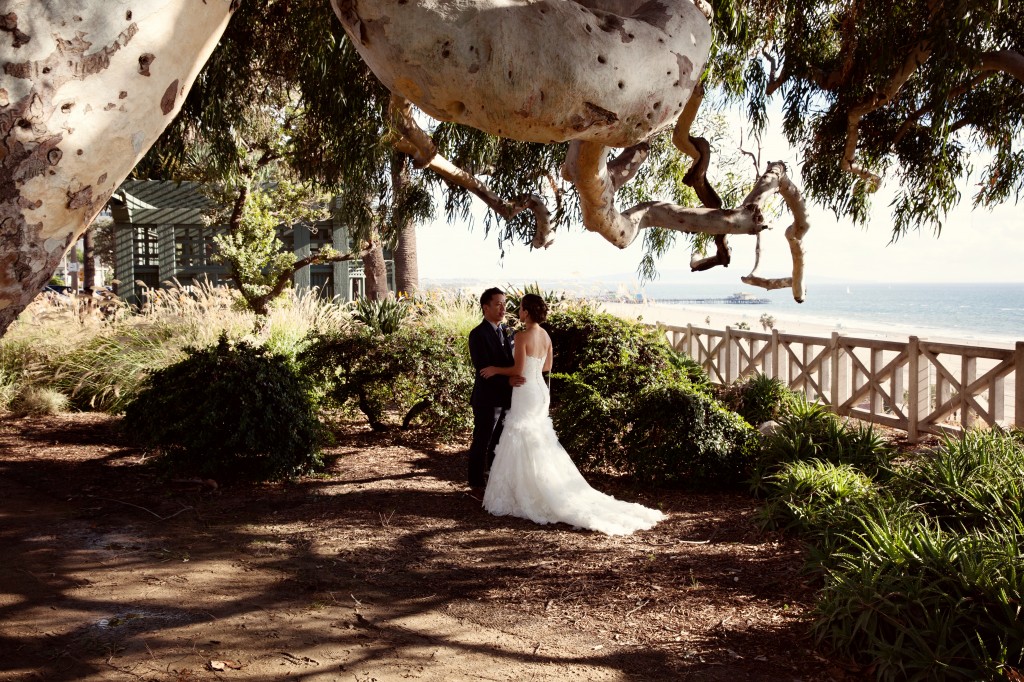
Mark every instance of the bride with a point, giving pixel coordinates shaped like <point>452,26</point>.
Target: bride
<point>532,476</point>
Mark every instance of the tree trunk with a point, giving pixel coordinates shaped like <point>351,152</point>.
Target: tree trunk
<point>86,86</point>
<point>376,272</point>
<point>88,262</point>
<point>75,268</point>
<point>407,272</point>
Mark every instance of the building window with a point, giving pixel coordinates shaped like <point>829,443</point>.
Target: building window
<point>146,249</point>
<point>191,247</point>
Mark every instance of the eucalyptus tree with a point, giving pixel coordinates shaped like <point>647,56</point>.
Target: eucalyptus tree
<point>291,55</point>
<point>235,135</point>
<point>87,86</point>
<point>909,88</point>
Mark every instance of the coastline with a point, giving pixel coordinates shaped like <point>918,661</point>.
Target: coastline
<point>721,316</point>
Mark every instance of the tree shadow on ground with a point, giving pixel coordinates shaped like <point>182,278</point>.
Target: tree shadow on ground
<point>382,565</point>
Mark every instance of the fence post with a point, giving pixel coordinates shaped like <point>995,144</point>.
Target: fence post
<point>833,398</point>
<point>688,343</point>
<point>917,391</point>
<point>775,354</point>
<point>726,359</point>
<point>1018,385</point>
<point>968,373</point>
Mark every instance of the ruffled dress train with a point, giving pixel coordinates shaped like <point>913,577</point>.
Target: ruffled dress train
<point>534,478</point>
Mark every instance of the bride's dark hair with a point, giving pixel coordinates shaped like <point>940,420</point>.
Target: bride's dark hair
<point>536,307</point>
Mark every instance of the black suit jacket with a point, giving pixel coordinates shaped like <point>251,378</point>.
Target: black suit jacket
<point>486,350</point>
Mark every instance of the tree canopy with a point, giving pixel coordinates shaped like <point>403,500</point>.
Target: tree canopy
<point>875,91</point>
<point>922,92</point>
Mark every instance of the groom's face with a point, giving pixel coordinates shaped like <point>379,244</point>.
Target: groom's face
<point>494,310</point>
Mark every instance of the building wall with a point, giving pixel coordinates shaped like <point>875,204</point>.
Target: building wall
<point>183,244</point>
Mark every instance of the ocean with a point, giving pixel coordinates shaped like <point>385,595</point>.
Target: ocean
<point>975,312</point>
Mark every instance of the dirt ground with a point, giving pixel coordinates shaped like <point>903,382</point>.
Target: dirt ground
<point>382,569</point>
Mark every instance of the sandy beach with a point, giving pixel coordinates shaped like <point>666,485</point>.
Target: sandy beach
<point>731,315</point>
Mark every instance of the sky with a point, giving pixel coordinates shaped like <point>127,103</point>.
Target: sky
<point>976,245</point>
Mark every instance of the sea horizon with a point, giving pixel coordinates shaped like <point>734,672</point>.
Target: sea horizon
<point>976,312</point>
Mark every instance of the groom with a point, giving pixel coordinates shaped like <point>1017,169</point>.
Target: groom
<point>490,344</point>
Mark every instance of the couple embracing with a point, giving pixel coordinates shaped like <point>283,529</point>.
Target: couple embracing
<point>531,475</point>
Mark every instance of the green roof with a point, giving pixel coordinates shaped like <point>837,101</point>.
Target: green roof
<point>158,202</point>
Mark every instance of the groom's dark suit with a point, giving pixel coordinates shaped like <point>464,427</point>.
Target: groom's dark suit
<point>491,397</point>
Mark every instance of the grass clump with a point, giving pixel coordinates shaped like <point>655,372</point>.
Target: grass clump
<point>37,401</point>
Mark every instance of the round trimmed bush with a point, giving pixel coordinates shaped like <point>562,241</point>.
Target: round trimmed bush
<point>232,412</point>
<point>682,436</point>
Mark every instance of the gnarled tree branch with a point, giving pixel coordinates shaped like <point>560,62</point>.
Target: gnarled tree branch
<point>586,167</point>
<point>776,179</point>
<point>417,144</point>
<point>1009,62</point>
<point>699,149</point>
<point>918,56</point>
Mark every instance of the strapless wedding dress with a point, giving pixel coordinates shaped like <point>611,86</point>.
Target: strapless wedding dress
<point>533,478</point>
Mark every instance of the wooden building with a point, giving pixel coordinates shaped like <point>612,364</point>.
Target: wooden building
<point>159,237</point>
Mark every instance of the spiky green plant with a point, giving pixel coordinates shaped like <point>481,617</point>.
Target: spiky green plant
<point>816,497</point>
<point>810,431</point>
<point>917,602</point>
<point>384,316</point>
<point>965,482</point>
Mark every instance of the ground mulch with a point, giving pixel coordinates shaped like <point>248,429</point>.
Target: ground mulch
<point>382,568</point>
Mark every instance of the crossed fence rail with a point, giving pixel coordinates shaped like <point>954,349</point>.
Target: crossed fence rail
<point>918,386</point>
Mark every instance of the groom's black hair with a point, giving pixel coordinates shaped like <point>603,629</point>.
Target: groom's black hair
<point>488,294</point>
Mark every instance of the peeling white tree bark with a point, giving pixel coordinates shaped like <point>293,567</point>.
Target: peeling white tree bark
<point>775,179</point>
<point>609,71</point>
<point>87,86</point>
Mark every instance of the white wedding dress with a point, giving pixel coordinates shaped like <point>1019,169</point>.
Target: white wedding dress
<point>533,477</point>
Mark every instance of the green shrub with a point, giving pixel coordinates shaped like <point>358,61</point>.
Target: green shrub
<point>423,374</point>
<point>679,435</point>
<point>583,337</point>
<point>623,399</point>
<point>232,412</point>
<point>759,398</point>
<point>917,602</point>
<point>588,424</point>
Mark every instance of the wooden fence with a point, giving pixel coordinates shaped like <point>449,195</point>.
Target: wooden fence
<point>917,386</point>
